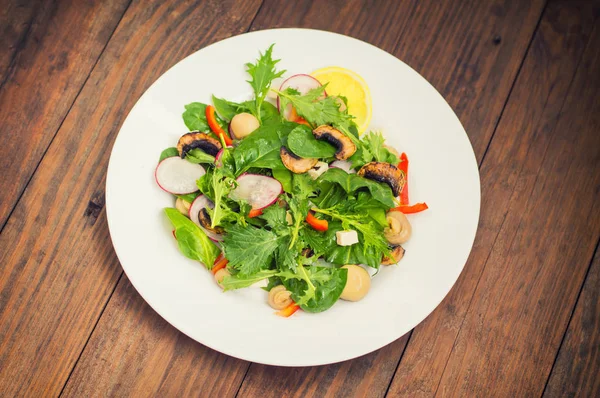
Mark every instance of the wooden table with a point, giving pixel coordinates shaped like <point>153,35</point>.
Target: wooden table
<point>524,317</point>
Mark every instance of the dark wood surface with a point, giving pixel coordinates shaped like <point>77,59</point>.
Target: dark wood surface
<point>523,318</point>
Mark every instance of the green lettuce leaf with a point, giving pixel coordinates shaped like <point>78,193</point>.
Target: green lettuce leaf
<point>192,241</point>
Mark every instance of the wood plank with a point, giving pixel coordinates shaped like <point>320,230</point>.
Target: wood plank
<point>458,69</point>
<point>508,176</point>
<point>575,373</point>
<point>58,266</point>
<point>54,54</point>
<point>140,354</point>
<point>521,307</point>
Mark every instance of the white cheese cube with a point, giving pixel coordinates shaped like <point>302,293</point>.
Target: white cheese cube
<point>346,238</point>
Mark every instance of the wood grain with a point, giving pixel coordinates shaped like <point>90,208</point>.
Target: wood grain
<point>416,42</point>
<point>508,177</point>
<point>575,373</point>
<point>58,266</point>
<point>140,354</point>
<point>16,18</point>
<point>56,49</point>
<point>523,302</point>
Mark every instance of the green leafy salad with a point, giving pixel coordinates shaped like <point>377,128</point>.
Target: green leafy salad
<point>282,189</point>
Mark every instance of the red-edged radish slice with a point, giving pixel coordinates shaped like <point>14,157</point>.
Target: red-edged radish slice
<point>258,190</point>
<point>218,162</point>
<point>344,165</point>
<point>178,176</point>
<point>302,83</point>
<point>197,205</point>
<point>230,131</point>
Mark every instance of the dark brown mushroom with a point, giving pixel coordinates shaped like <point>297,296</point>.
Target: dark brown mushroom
<point>202,141</point>
<point>396,255</point>
<point>307,252</point>
<point>205,221</point>
<point>344,145</point>
<point>384,172</point>
<point>294,163</point>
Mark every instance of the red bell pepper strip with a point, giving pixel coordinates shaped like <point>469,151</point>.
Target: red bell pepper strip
<point>220,263</point>
<point>289,310</point>
<point>319,225</point>
<point>214,126</point>
<point>255,213</point>
<point>416,208</point>
<point>403,166</point>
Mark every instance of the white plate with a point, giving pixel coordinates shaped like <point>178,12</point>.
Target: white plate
<point>414,117</point>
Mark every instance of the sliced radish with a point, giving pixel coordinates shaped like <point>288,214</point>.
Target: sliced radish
<point>344,165</point>
<point>197,205</point>
<point>302,83</point>
<point>178,176</point>
<point>218,161</point>
<point>230,131</point>
<point>258,190</point>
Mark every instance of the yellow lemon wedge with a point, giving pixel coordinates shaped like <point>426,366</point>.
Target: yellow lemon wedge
<point>344,82</point>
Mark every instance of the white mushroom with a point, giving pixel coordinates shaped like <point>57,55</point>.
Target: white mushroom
<point>183,206</point>
<point>220,275</point>
<point>357,284</point>
<point>243,124</point>
<point>279,298</point>
<point>399,229</point>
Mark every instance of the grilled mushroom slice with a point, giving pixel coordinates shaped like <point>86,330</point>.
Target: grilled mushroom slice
<point>202,141</point>
<point>397,254</point>
<point>294,163</point>
<point>384,172</point>
<point>345,146</point>
<point>205,221</point>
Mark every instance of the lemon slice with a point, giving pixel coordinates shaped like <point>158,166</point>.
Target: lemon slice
<point>344,82</point>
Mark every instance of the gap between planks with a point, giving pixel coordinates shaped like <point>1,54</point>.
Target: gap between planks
<point>562,341</point>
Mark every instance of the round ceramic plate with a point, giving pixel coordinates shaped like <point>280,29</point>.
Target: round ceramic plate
<point>412,115</point>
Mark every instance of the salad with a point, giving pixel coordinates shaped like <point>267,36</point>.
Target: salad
<point>282,189</point>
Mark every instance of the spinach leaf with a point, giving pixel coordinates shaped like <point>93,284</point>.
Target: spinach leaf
<point>331,194</point>
<point>269,114</point>
<point>198,156</point>
<point>194,117</point>
<point>227,109</point>
<point>262,73</point>
<point>328,285</point>
<point>357,253</point>
<point>192,241</point>
<point>168,153</point>
<point>284,176</point>
<point>352,182</point>
<point>261,148</point>
<point>249,249</point>
<point>303,143</point>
